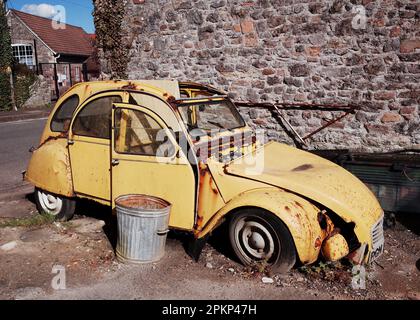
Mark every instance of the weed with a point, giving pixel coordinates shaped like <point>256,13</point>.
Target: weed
<point>258,268</point>
<point>329,271</point>
<point>33,221</point>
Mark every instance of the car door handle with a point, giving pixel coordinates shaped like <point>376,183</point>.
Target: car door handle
<point>115,162</point>
<point>70,142</point>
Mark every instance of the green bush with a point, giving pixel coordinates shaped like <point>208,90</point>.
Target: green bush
<point>5,102</point>
<point>5,61</point>
<point>24,78</point>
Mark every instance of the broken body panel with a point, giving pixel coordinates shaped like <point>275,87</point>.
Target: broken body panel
<point>325,208</point>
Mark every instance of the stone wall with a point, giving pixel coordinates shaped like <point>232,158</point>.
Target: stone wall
<point>360,51</point>
<point>40,94</point>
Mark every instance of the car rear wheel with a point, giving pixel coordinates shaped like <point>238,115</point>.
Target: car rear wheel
<point>259,237</point>
<point>60,207</point>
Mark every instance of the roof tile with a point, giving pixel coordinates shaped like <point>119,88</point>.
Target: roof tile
<point>70,40</point>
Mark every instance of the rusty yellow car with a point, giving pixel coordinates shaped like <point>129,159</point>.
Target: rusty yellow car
<point>188,144</point>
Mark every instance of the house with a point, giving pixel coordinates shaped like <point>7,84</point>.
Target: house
<point>59,52</point>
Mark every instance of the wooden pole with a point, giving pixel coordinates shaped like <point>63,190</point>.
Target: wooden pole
<point>12,89</point>
<point>57,91</point>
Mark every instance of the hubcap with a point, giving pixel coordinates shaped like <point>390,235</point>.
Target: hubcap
<point>254,239</point>
<point>49,203</point>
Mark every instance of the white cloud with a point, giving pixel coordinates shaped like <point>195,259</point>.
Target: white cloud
<point>42,10</point>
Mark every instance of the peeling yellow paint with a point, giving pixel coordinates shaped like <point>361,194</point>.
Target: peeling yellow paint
<point>335,248</point>
<point>299,215</point>
<point>49,168</point>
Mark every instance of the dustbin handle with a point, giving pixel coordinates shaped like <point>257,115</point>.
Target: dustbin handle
<point>162,232</point>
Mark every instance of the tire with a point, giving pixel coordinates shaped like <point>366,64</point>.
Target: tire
<point>61,207</point>
<point>258,236</point>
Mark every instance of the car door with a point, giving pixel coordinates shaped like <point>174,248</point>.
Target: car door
<point>146,159</point>
<point>89,147</point>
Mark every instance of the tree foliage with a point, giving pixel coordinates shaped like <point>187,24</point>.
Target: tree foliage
<point>108,18</point>
<point>6,59</point>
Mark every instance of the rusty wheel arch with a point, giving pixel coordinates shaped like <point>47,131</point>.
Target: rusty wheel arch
<point>346,229</point>
<point>225,221</point>
<point>228,216</point>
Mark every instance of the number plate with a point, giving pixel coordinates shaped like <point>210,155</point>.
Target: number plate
<point>377,240</point>
<point>377,250</point>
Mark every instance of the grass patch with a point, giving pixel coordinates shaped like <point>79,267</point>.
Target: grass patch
<point>36,220</point>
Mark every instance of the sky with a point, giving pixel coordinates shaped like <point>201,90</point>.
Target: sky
<point>76,12</point>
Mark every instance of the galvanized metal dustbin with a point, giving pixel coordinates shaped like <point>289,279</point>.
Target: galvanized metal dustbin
<point>142,228</point>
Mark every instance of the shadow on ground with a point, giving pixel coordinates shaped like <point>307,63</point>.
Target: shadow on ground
<point>30,197</point>
<point>219,239</point>
<point>409,220</point>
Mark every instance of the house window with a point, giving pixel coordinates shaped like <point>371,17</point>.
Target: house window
<point>24,54</point>
<point>77,74</point>
<point>62,77</point>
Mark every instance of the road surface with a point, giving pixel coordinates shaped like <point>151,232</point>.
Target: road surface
<point>16,138</point>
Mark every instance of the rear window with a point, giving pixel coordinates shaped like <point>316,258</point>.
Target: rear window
<point>62,117</point>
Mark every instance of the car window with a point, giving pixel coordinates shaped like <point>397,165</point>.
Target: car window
<point>62,117</point>
<point>211,115</point>
<point>95,118</point>
<point>138,133</point>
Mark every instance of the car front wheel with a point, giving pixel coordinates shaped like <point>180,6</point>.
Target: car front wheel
<point>259,237</point>
<point>60,207</point>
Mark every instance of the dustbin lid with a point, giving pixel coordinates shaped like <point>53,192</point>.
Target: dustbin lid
<point>144,203</point>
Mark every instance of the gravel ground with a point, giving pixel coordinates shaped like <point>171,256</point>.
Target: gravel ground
<point>92,272</point>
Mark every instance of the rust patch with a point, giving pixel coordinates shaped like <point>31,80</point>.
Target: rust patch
<point>221,144</point>
<point>318,243</point>
<point>333,233</point>
<point>50,138</point>
<point>208,194</point>
<point>303,167</point>
<point>129,86</point>
<point>298,204</point>
<point>68,171</point>
<point>320,218</point>
<point>171,99</point>
<point>142,202</point>
<point>213,187</point>
<point>199,224</point>
<point>298,217</point>
<point>173,104</point>
<point>287,209</point>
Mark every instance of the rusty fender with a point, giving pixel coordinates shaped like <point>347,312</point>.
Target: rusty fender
<point>299,215</point>
<point>49,168</point>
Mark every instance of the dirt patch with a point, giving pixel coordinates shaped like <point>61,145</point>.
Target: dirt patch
<point>80,246</point>
<point>93,273</point>
<point>17,202</point>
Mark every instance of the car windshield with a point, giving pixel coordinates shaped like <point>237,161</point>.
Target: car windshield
<point>211,115</point>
